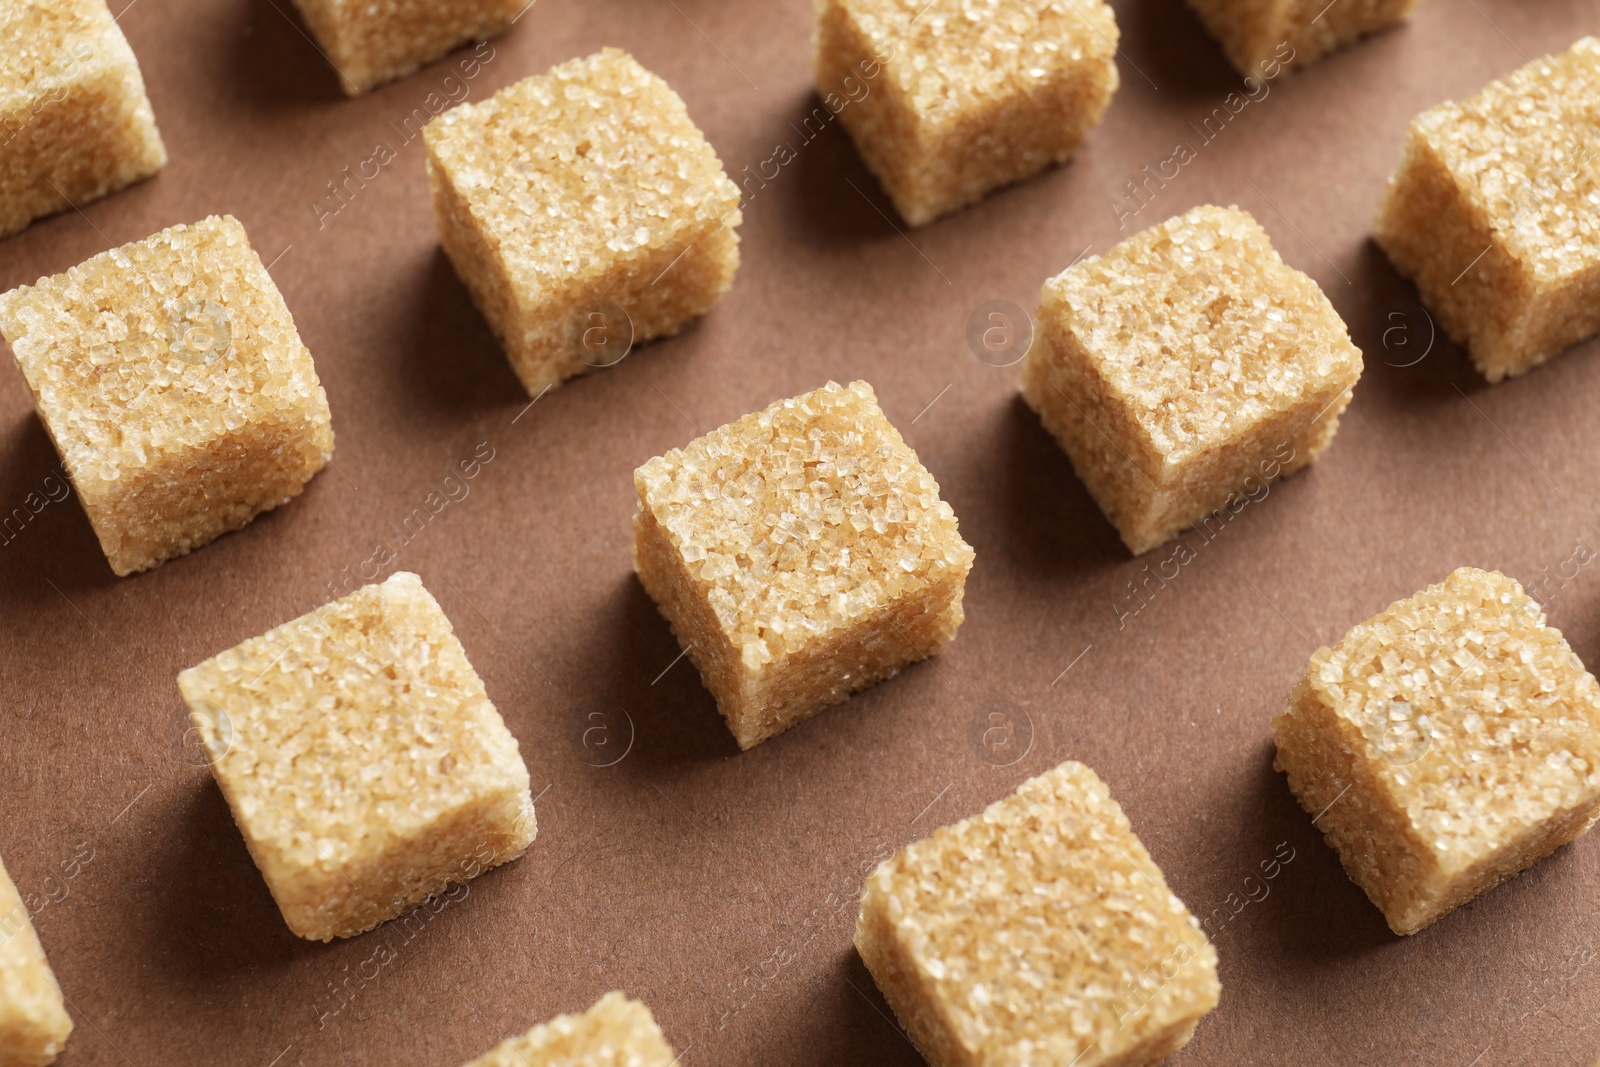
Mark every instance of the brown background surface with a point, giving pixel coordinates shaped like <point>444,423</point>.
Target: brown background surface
<point>720,887</point>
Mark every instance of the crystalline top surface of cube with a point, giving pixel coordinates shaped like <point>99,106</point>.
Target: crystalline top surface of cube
<point>571,169</point>
<point>159,347</point>
<point>46,42</point>
<point>353,726</point>
<point>1506,721</point>
<point>1526,151</point>
<point>1201,330</point>
<point>1040,920</point>
<point>950,57</point>
<point>803,518</point>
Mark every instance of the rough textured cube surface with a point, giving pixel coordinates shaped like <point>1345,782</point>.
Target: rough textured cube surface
<point>580,206</point>
<point>800,554</point>
<point>370,42</point>
<point>1185,367</point>
<point>34,1024</point>
<point>1037,932</point>
<point>171,378</point>
<point>948,100</point>
<point>1447,743</point>
<point>616,1032</point>
<point>363,761</point>
<point>75,123</point>
<point>1492,212</point>
<point>1265,37</point>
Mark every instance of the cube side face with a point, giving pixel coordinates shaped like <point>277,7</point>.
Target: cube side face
<point>34,1024</point>
<point>616,1030</point>
<point>75,122</point>
<point>1320,30</point>
<point>940,131</point>
<point>801,553</point>
<point>364,763</point>
<point>1263,38</point>
<point>1488,212</point>
<point>964,933</point>
<point>1185,368</point>
<point>370,43</point>
<point>1249,31</point>
<point>172,380</point>
<point>595,131</point>
<point>761,703</point>
<point>1468,734</point>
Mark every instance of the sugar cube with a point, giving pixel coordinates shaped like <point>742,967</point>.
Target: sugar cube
<point>800,553</point>
<point>1264,38</point>
<point>948,100</point>
<point>584,211</point>
<point>1444,745</point>
<point>1039,931</point>
<point>1185,370</point>
<point>34,1024</point>
<point>369,43</point>
<point>364,763</point>
<point>171,378</point>
<point>1491,212</point>
<point>75,123</point>
<point>615,1032</point>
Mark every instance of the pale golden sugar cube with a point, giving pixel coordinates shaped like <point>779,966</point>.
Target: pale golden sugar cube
<point>1494,212</point>
<point>1264,38</point>
<point>75,123</point>
<point>1186,369</point>
<point>583,209</point>
<point>1447,743</point>
<point>365,765</point>
<point>34,1024</point>
<point>800,553</point>
<point>370,42</point>
<point>948,100</point>
<point>615,1032</point>
<point>1037,932</point>
<point>171,378</point>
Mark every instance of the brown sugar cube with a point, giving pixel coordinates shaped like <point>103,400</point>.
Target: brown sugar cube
<point>1185,370</point>
<point>364,763</point>
<point>1492,212</point>
<point>947,104</point>
<point>1444,745</point>
<point>75,123</point>
<point>171,378</point>
<point>1039,931</point>
<point>615,1032</point>
<point>584,211</point>
<point>370,42</point>
<point>1264,38</point>
<point>34,1024</point>
<point>800,553</point>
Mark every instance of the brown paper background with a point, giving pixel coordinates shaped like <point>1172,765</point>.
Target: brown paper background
<point>717,886</point>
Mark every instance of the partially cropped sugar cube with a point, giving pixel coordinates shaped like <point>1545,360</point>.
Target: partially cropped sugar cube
<point>364,763</point>
<point>1039,931</point>
<point>172,380</point>
<point>1492,212</point>
<point>615,1032</point>
<point>948,101</point>
<point>800,553</point>
<point>1264,38</point>
<point>1185,370</point>
<point>370,43</point>
<point>585,212</point>
<point>34,1025</point>
<point>75,123</point>
<point>1444,745</point>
